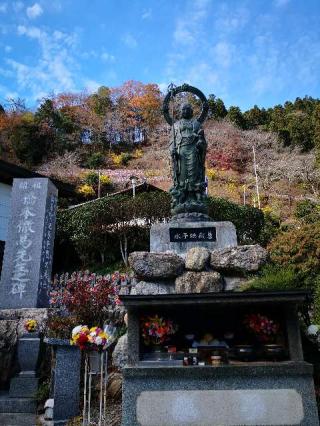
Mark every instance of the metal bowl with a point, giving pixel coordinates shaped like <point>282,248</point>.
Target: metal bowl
<point>244,352</point>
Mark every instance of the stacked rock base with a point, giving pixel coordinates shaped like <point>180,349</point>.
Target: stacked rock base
<point>201,271</point>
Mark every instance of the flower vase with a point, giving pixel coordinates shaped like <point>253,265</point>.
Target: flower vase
<point>94,359</point>
<point>28,352</point>
<point>157,348</point>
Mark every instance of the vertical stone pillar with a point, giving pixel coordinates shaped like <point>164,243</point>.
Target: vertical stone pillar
<point>66,393</point>
<point>28,254</point>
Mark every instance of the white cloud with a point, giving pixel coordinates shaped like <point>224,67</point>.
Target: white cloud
<point>106,57</point>
<point>189,25</point>
<point>3,7</point>
<point>91,85</point>
<point>163,87</point>
<point>146,14</point>
<point>231,19</point>
<point>7,49</point>
<point>223,53</point>
<point>32,32</point>
<point>129,41</point>
<point>56,67</point>
<point>34,11</point>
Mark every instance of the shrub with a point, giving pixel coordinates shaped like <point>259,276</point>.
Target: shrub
<point>121,159</point>
<point>98,229</point>
<point>275,278</point>
<point>316,311</point>
<point>60,327</point>
<point>86,190</point>
<point>271,226</point>
<point>298,248</point>
<point>248,220</point>
<point>105,180</point>
<point>92,179</point>
<point>307,211</point>
<point>138,153</point>
<point>95,160</point>
<point>88,298</point>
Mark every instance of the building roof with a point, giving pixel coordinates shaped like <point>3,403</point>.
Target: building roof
<point>142,187</point>
<point>9,171</point>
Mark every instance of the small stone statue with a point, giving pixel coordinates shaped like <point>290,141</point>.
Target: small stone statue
<point>188,152</point>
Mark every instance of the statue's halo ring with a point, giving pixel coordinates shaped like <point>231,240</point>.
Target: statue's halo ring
<point>185,88</point>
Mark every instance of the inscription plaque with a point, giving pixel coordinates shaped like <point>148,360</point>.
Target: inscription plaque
<point>178,235</point>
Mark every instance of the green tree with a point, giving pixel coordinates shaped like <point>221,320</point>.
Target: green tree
<point>28,145</point>
<point>255,117</point>
<point>55,127</point>
<point>101,102</point>
<point>236,117</point>
<point>301,131</point>
<point>316,127</point>
<point>217,108</point>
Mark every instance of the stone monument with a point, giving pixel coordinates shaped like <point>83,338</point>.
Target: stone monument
<point>190,225</point>
<point>27,263</point>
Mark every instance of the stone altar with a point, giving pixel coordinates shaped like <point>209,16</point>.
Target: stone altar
<point>260,394</point>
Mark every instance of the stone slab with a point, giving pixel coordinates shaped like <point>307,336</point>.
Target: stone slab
<point>226,236</point>
<point>17,405</point>
<point>23,386</point>
<point>220,407</point>
<point>251,390</point>
<point>17,419</point>
<point>27,262</point>
<point>66,392</point>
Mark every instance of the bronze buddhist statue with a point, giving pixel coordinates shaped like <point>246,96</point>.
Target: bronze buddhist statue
<point>188,152</point>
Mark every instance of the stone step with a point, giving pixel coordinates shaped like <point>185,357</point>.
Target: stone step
<point>17,419</point>
<point>16,405</point>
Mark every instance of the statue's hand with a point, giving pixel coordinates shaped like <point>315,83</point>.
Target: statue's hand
<point>199,144</point>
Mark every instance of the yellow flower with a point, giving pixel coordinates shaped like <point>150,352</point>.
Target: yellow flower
<point>93,329</point>
<point>211,173</point>
<point>138,153</point>
<point>105,180</point>
<point>117,159</point>
<point>86,190</point>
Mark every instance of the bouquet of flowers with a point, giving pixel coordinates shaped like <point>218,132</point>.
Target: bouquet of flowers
<point>156,330</point>
<point>313,332</point>
<point>30,325</point>
<point>92,339</point>
<point>263,327</point>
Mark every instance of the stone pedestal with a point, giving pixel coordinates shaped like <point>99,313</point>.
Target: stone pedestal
<point>66,390</point>
<point>227,395</point>
<point>26,384</point>
<point>179,236</point>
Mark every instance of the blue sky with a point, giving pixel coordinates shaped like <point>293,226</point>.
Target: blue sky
<point>245,51</point>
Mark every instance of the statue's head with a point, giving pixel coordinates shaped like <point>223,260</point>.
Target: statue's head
<point>186,111</point>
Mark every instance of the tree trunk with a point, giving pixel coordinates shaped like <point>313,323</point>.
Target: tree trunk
<point>124,249</point>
